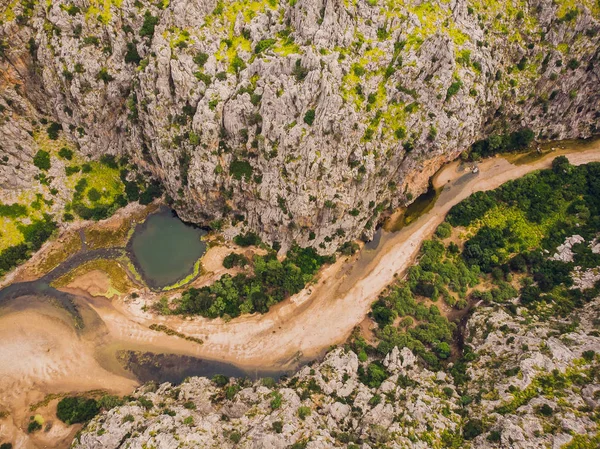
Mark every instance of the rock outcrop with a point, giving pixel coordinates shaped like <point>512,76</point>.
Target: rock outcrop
<point>304,119</point>
<point>536,381</point>
<point>322,406</point>
<point>531,383</point>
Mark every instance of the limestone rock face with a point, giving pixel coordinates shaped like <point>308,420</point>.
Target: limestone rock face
<point>524,376</point>
<point>524,372</point>
<point>324,405</point>
<point>307,118</point>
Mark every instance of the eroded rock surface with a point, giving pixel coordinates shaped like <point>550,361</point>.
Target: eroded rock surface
<point>307,118</point>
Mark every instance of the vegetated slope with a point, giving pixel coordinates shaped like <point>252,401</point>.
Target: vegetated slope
<point>528,375</point>
<point>303,119</point>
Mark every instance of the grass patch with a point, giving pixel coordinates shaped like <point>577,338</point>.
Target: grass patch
<point>119,280</point>
<point>58,253</point>
<point>197,271</point>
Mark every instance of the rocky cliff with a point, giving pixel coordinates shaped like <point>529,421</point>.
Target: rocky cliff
<point>532,383</point>
<point>305,117</point>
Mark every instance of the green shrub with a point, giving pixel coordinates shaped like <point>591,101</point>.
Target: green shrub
<point>132,56</point>
<point>494,436</point>
<point>240,169</point>
<point>14,210</point>
<point>53,130</point>
<point>149,194</point>
<point>65,153</point>
<point>453,89</point>
<point>248,239</point>
<point>589,355</point>
<point>128,418</point>
<point>400,133</point>
<point>263,45</point>
<point>545,410</point>
<point>220,380</point>
<point>145,402</point>
<point>303,412</point>
<point>472,429</point>
<point>149,24</point>
<point>444,230</point>
<point>108,402</point>
<point>200,59</point>
<point>93,194</point>
<point>235,260</point>
<point>276,401</point>
<point>33,426</point>
<point>238,64</point>
<point>205,78</point>
<point>299,71</point>
<point>109,160</point>
<point>309,117</point>
<point>75,409</point>
<point>42,160</point>
<point>189,405</point>
<point>103,75</point>
<point>573,64</point>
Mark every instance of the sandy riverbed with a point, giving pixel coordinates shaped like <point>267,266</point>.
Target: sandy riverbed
<point>325,314</point>
<point>41,352</point>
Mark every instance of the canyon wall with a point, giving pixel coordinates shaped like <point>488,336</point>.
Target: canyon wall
<point>301,120</point>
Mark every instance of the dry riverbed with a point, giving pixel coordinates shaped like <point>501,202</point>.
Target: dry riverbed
<point>42,353</point>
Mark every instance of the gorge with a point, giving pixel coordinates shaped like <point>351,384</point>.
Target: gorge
<point>299,224</point>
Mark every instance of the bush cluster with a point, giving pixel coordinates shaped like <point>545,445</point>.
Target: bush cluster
<point>76,409</point>
<point>271,282</point>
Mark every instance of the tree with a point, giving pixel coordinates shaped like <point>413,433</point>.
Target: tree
<point>149,24</point>
<point>42,160</point>
<point>93,194</point>
<point>561,165</point>
<point>65,153</point>
<point>444,230</point>
<point>443,350</point>
<point>132,56</point>
<point>472,429</point>
<point>53,130</point>
<point>309,117</point>
<point>75,409</point>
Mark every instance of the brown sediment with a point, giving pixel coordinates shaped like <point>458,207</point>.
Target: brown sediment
<point>325,313</point>
<point>45,355</point>
<point>41,354</point>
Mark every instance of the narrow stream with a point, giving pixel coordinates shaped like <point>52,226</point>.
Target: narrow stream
<point>165,250</point>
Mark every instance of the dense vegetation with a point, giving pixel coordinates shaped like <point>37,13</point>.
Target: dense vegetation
<point>75,409</point>
<point>79,409</point>
<point>35,234</point>
<point>90,203</point>
<point>507,232</point>
<point>269,282</point>
<point>502,143</point>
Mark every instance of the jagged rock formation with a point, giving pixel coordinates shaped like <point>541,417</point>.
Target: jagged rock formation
<point>305,117</point>
<point>325,405</point>
<point>533,384</point>
<point>538,380</point>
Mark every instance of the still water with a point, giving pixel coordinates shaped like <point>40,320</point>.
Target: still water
<point>165,249</point>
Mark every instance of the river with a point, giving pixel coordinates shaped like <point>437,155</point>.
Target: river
<point>43,351</point>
